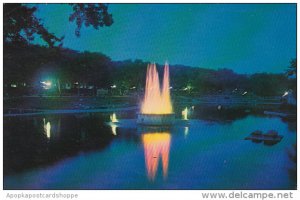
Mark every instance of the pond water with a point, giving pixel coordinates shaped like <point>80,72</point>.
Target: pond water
<point>84,152</point>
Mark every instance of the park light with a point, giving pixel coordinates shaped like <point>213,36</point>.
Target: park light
<point>113,86</point>
<point>285,94</point>
<point>188,88</point>
<point>46,84</point>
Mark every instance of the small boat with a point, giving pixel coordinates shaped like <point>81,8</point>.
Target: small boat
<point>269,138</point>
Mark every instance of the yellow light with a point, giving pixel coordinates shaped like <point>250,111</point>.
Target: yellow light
<point>113,118</point>
<point>185,113</point>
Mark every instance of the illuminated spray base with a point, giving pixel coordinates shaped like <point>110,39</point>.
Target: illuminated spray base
<point>156,119</point>
<point>156,109</point>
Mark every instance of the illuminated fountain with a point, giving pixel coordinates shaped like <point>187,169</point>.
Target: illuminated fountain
<point>156,108</point>
<point>113,123</point>
<point>185,114</point>
<point>156,146</point>
<point>113,118</point>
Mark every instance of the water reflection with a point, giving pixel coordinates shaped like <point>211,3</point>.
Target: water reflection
<point>51,138</point>
<point>113,129</point>
<point>51,127</point>
<point>186,131</point>
<point>156,146</point>
<point>85,145</point>
<point>47,128</point>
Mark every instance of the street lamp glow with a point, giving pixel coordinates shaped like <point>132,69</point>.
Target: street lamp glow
<point>245,93</point>
<point>286,93</point>
<point>46,84</point>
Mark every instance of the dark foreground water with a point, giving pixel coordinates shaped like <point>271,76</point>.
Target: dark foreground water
<point>83,152</point>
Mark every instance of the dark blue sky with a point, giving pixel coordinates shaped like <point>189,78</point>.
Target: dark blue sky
<point>246,38</point>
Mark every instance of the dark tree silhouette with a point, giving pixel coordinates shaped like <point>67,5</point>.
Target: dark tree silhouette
<point>292,72</point>
<point>95,15</point>
<point>292,69</point>
<point>20,25</point>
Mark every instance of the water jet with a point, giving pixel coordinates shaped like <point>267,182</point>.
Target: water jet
<point>156,109</point>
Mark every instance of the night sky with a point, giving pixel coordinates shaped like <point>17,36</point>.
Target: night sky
<point>246,38</point>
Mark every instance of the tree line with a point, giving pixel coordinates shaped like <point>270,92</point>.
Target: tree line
<point>31,64</point>
<point>26,65</point>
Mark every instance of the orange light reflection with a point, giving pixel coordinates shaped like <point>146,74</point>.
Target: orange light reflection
<point>156,145</point>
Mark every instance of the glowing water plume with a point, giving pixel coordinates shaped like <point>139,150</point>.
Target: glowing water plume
<point>165,95</point>
<point>157,100</point>
<point>156,145</point>
<point>113,118</point>
<point>185,113</point>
